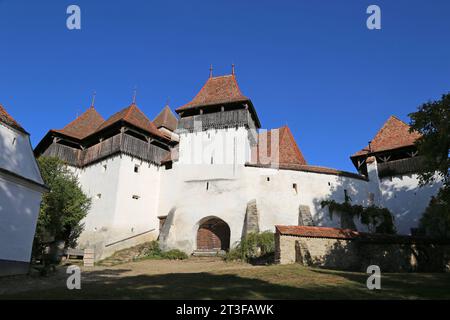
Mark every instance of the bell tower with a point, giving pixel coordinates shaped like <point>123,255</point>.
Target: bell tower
<point>219,125</point>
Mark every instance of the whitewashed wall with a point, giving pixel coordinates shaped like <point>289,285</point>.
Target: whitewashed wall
<point>404,197</point>
<point>219,146</point>
<point>211,180</point>
<point>278,202</point>
<point>190,193</point>
<point>19,209</point>
<point>115,215</point>
<point>19,199</point>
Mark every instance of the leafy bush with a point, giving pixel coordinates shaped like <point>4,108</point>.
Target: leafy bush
<point>174,254</point>
<point>153,251</point>
<point>255,246</point>
<point>377,219</point>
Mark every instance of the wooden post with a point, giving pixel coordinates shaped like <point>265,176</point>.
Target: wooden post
<point>88,257</point>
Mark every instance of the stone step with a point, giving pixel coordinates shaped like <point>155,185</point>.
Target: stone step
<point>208,253</point>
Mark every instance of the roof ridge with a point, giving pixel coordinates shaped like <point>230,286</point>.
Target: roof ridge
<point>393,134</point>
<point>78,117</point>
<point>237,85</point>
<point>385,126</point>
<point>216,90</point>
<point>130,108</point>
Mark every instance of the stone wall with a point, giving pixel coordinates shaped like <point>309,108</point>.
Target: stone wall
<point>321,252</point>
<point>405,257</point>
<point>357,254</point>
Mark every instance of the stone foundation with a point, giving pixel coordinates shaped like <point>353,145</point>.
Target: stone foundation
<point>356,251</point>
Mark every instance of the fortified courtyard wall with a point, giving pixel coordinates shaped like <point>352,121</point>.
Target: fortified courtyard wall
<point>202,180</point>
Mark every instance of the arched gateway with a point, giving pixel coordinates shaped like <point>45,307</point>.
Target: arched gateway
<point>213,235</point>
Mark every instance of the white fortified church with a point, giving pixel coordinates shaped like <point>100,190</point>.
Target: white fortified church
<point>201,181</point>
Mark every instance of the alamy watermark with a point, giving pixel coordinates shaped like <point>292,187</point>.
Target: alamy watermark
<point>228,146</point>
<point>74,280</point>
<point>374,20</point>
<point>73,21</point>
<point>374,280</point>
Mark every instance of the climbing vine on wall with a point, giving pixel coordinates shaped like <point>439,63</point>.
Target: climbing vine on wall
<point>377,219</point>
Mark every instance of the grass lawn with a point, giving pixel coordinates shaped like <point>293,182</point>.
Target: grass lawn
<point>215,279</point>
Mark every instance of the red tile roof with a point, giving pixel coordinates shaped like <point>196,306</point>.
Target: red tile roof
<point>166,119</point>
<point>287,149</point>
<point>134,116</point>
<point>216,90</point>
<point>313,169</point>
<point>9,121</point>
<point>84,125</point>
<point>317,232</point>
<point>347,234</point>
<point>393,135</point>
<point>290,157</point>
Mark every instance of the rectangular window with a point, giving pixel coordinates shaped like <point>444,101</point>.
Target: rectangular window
<point>104,167</point>
<point>98,196</point>
<point>136,168</point>
<point>294,186</point>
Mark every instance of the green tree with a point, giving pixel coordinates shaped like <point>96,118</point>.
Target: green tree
<point>62,208</point>
<point>432,121</point>
<point>436,219</point>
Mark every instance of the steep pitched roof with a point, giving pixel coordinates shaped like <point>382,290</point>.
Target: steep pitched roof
<point>166,119</point>
<point>9,121</point>
<point>288,150</point>
<point>216,90</point>
<point>84,125</point>
<point>134,116</point>
<point>393,135</point>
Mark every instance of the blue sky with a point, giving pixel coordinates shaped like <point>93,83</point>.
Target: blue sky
<point>312,65</point>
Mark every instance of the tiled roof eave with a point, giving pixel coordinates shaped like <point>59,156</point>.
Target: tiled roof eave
<point>306,169</point>
<point>15,128</point>
<point>318,236</point>
<point>366,153</point>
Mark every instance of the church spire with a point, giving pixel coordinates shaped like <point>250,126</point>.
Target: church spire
<point>134,96</point>
<point>93,99</point>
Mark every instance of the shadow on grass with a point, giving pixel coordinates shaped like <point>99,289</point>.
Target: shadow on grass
<point>401,285</point>
<point>297,283</point>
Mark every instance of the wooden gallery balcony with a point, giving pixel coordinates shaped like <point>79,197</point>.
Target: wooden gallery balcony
<point>217,120</point>
<point>399,167</point>
<point>122,143</point>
